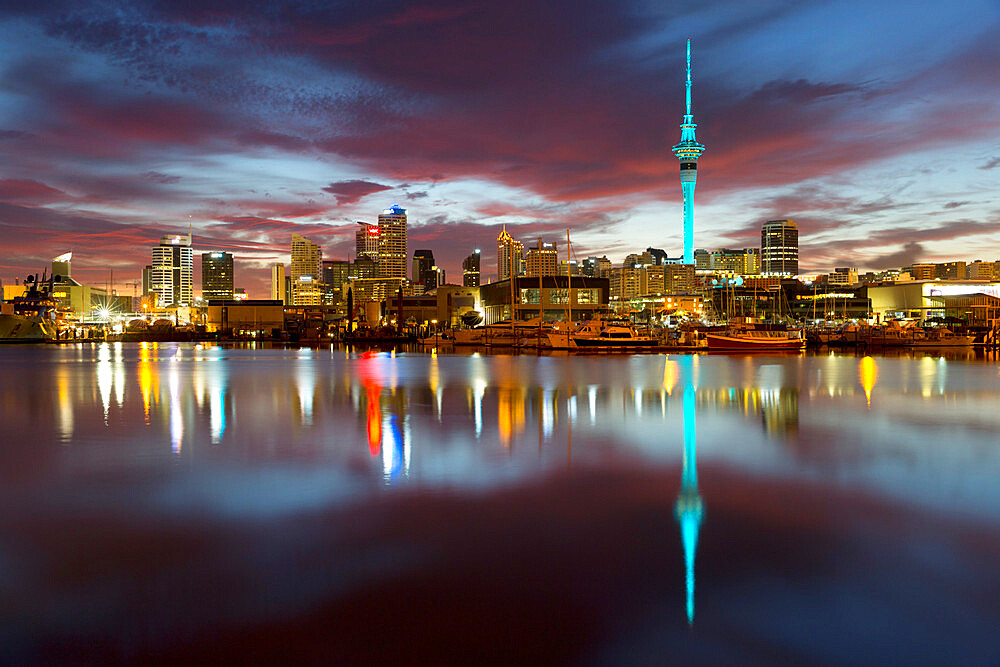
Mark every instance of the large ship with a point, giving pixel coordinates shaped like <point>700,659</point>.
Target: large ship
<point>29,318</point>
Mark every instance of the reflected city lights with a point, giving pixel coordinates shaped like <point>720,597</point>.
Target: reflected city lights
<point>868,372</point>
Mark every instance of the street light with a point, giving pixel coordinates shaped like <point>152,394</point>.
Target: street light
<point>435,323</point>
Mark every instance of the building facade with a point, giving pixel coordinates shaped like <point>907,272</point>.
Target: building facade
<point>510,256</point>
<point>779,248</point>
<point>278,283</point>
<point>306,272</point>
<point>392,243</point>
<point>366,241</point>
<point>470,269</point>
<point>424,271</point>
<point>171,275</point>
<point>542,261</point>
<point>217,275</point>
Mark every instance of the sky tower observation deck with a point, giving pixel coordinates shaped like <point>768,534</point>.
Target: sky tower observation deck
<point>688,151</point>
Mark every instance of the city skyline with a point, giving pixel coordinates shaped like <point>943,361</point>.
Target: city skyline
<point>109,145</point>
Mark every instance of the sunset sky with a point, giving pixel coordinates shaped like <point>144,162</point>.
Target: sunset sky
<point>874,125</point>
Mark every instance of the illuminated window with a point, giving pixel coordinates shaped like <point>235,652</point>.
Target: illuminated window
<point>530,295</point>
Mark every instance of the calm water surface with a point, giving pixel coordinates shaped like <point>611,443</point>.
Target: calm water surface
<point>176,502</point>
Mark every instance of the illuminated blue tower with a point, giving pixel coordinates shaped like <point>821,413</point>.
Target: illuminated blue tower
<point>688,151</point>
<point>689,508</point>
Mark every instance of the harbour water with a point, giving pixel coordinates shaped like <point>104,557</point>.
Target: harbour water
<point>176,502</point>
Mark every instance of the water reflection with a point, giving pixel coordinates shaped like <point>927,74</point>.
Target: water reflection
<point>554,475</point>
<point>689,507</point>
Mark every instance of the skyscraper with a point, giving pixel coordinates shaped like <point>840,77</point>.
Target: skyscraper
<point>392,243</point>
<point>542,261</point>
<point>470,270</point>
<point>172,272</point>
<point>278,283</point>
<point>335,272</point>
<point>217,275</point>
<point>510,256</point>
<point>306,272</point>
<point>688,151</point>
<point>366,241</point>
<point>779,248</point>
<point>423,269</point>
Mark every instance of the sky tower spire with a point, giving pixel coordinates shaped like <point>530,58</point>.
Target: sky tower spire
<point>688,151</point>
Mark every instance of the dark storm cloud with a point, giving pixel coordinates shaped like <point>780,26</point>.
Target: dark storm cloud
<point>349,192</point>
<point>909,254</point>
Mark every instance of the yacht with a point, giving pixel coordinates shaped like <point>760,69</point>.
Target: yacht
<point>601,334</point>
<point>29,318</point>
<point>526,333</point>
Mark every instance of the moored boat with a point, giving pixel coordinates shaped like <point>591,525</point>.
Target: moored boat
<point>601,334</point>
<point>756,340</point>
<point>29,318</point>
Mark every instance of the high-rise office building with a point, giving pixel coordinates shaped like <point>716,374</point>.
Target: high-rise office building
<point>702,260</point>
<point>306,272</point>
<point>470,269</point>
<point>510,256</point>
<point>542,261</point>
<point>278,283</point>
<point>335,278</point>
<point>366,241</point>
<point>392,243</point>
<point>172,273</point>
<point>688,151</point>
<point>424,272</point>
<point>779,248</point>
<point>217,275</point>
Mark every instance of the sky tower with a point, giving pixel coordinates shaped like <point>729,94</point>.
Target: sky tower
<point>688,152</point>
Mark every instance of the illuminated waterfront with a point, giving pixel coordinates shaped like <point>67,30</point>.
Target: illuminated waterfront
<point>159,497</point>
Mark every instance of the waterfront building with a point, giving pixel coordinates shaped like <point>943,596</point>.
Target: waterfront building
<point>542,261</point>
<point>392,243</point>
<point>172,271</point>
<point>974,301</point>
<point>470,269</point>
<point>217,275</point>
<point>424,270</point>
<point>366,241</point>
<point>306,272</point>
<point>510,256</point>
<point>589,297</point>
<point>779,248</point>
<point>688,151</point>
<point>278,283</point>
<point>245,318</point>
